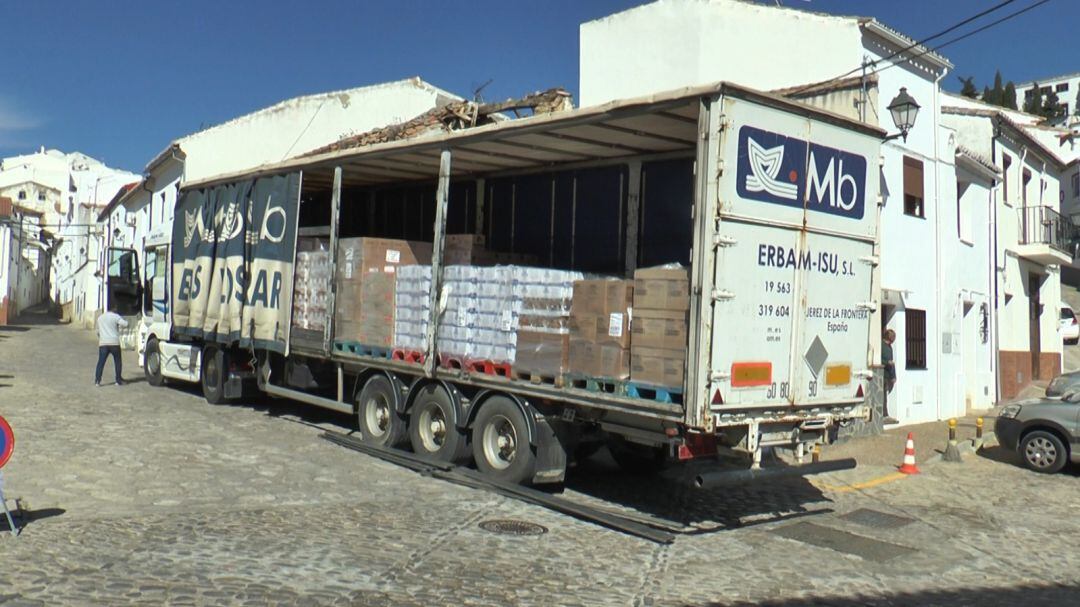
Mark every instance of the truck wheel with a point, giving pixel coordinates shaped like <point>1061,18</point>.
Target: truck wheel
<point>635,458</point>
<point>213,375</point>
<point>152,363</point>
<point>380,424</point>
<point>500,442</point>
<point>432,427</point>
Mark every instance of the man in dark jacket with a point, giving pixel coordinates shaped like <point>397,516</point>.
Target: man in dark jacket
<point>890,373</point>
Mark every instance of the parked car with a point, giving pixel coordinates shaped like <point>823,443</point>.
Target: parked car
<point>1064,383</point>
<point>1044,431</point>
<point>1070,328</point>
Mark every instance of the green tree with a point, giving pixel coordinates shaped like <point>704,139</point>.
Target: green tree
<point>986,94</point>
<point>1010,96</point>
<point>967,88</point>
<point>1033,101</point>
<point>1051,107</point>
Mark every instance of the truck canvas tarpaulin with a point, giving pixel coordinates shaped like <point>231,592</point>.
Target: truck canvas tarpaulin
<point>233,250</point>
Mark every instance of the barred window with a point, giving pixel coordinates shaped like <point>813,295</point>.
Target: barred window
<point>915,338</point>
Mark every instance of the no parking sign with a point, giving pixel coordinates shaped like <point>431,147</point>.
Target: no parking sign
<point>7,442</point>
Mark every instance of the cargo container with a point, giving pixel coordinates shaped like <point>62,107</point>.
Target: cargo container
<point>443,289</point>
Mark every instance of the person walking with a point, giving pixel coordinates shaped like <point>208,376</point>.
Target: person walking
<point>108,330</point>
<point>887,362</point>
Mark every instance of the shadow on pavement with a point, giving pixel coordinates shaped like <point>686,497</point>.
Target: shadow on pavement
<point>25,517</point>
<point>672,497</point>
<point>13,329</point>
<point>1002,455</point>
<point>1027,595</point>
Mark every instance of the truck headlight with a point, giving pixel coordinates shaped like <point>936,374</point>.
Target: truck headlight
<point>1010,411</point>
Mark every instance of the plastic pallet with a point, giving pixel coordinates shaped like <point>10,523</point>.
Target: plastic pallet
<point>593,384</point>
<point>359,349</point>
<point>450,361</point>
<point>657,393</point>
<point>409,356</point>
<point>541,379</point>
<point>489,367</point>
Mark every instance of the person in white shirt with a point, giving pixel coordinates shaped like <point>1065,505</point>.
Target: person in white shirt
<point>108,330</point>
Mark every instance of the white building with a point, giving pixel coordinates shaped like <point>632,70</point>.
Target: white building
<point>63,187</point>
<point>1066,87</point>
<point>927,300</point>
<point>22,260</point>
<point>1031,238</point>
<point>269,135</point>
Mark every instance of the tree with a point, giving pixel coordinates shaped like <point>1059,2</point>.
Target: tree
<point>967,89</point>
<point>1010,96</point>
<point>1033,99</point>
<point>986,94</point>
<point>1051,107</point>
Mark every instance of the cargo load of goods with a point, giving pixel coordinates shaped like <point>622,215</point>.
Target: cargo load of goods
<point>500,316</point>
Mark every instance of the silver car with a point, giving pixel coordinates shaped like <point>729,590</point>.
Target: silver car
<point>1044,431</point>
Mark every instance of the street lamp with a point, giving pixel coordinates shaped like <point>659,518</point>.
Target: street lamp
<point>903,109</point>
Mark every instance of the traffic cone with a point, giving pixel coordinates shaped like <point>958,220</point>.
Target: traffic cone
<point>909,467</point>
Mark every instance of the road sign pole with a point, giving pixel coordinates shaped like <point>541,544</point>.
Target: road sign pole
<point>7,513</point>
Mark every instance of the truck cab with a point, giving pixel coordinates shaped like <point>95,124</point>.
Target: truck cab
<point>154,308</point>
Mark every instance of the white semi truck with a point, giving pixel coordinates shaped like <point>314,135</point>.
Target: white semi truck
<point>772,205</point>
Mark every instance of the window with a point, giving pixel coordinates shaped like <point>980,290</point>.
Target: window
<point>1064,86</point>
<point>1006,162</point>
<point>1024,186</point>
<point>913,187</point>
<point>22,194</point>
<point>41,196</point>
<point>915,338</point>
<point>1076,184</point>
<point>1028,94</point>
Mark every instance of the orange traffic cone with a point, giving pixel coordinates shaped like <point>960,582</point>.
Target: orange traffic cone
<point>909,467</point>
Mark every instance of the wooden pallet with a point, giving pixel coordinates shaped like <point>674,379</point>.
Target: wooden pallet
<point>662,394</point>
<point>593,384</point>
<point>451,361</point>
<point>541,379</point>
<point>489,367</point>
<point>359,349</point>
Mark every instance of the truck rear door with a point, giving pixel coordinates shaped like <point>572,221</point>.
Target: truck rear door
<point>794,262</point>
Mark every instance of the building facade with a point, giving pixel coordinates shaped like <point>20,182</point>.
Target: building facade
<point>1066,87</point>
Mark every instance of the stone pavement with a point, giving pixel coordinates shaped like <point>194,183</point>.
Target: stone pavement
<point>151,496</point>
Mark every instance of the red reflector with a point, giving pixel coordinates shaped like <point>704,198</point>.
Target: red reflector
<point>697,445</point>
<point>859,392</point>
<point>685,453</point>
<point>717,399</point>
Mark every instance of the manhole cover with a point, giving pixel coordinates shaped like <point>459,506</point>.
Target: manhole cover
<point>512,527</point>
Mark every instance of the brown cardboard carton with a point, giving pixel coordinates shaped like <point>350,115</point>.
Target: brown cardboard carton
<point>359,256</point>
<point>662,289</point>
<point>664,329</point>
<point>542,353</point>
<point>658,366</point>
<point>599,360</point>
<point>600,312</point>
<point>365,310</point>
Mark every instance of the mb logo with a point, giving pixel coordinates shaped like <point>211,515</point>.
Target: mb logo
<point>788,171</point>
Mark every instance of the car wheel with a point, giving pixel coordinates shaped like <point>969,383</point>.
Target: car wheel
<point>1043,452</point>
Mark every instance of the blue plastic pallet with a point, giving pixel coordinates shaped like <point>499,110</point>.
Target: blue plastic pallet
<point>352,347</point>
<point>661,394</point>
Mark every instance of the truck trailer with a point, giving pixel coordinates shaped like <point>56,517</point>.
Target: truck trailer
<point>768,209</point>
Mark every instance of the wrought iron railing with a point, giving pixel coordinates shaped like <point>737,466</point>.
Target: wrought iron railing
<point>1044,225</point>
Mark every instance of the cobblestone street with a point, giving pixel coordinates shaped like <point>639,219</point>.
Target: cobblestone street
<point>151,496</point>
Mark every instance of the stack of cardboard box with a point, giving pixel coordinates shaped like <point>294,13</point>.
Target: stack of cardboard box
<point>311,286</point>
<point>600,328</point>
<point>659,330</point>
<point>470,250</point>
<point>364,283</point>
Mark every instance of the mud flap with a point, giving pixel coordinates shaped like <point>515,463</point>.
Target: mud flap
<point>550,455</point>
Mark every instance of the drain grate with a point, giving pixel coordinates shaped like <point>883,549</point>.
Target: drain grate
<point>513,527</point>
<point>877,519</point>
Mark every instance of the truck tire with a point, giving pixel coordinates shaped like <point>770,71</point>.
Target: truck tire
<point>500,442</point>
<point>635,458</point>
<point>152,363</point>
<point>377,416</point>
<point>213,375</point>
<point>433,429</point>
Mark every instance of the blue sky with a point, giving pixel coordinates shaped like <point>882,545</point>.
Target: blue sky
<point>119,79</point>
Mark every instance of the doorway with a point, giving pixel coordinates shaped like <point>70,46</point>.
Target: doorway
<point>1034,318</point>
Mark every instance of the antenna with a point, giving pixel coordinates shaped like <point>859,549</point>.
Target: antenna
<point>476,94</point>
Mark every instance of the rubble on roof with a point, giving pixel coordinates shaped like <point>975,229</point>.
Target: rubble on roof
<point>455,116</point>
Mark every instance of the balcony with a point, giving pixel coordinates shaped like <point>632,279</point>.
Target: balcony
<point>1045,236</point>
